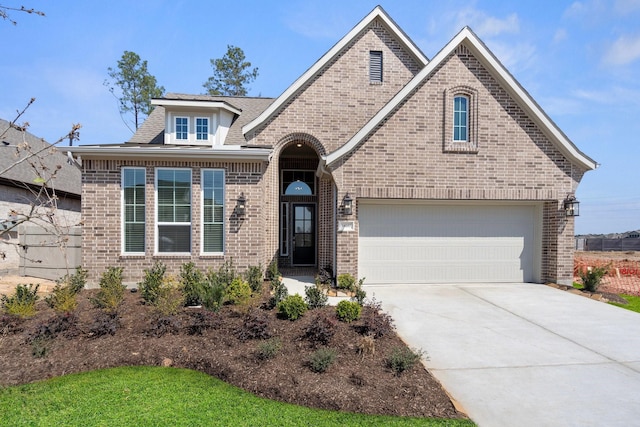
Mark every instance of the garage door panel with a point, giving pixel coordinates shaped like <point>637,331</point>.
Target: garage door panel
<point>444,243</point>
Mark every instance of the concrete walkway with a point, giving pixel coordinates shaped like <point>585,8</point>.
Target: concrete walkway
<point>522,354</point>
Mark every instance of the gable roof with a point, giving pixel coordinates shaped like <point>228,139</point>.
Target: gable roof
<point>67,178</point>
<point>377,13</point>
<point>152,129</point>
<point>499,72</point>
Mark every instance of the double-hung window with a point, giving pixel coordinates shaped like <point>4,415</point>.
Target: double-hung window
<point>133,210</point>
<point>173,210</point>
<point>460,118</point>
<point>182,128</point>
<point>212,183</point>
<point>202,128</point>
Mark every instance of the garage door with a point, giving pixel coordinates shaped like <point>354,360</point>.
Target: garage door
<point>448,243</point>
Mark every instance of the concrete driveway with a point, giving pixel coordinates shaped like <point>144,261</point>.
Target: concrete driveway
<point>523,354</point>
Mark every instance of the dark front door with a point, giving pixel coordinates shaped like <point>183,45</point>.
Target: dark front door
<point>304,234</point>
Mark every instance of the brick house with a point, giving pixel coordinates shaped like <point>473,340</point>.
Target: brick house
<point>376,161</point>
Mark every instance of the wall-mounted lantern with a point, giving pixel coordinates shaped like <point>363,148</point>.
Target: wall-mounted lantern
<point>241,206</point>
<point>347,204</point>
<point>571,206</point>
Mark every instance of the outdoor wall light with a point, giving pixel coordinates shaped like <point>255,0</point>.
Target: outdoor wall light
<point>571,206</point>
<point>347,204</point>
<point>241,207</point>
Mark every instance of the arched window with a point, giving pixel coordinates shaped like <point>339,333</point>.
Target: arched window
<point>298,188</point>
<point>460,118</point>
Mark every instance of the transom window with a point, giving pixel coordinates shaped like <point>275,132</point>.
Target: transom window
<point>460,118</point>
<point>298,182</point>
<point>202,128</point>
<point>173,210</point>
<point>133,210</point>
<point>213,211</point>
<point>182,128</point>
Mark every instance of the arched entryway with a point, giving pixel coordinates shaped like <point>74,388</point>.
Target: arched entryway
<point>298,189</point>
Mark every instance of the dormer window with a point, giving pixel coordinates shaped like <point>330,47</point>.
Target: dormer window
<point>182,128</point>
<point>196,121</point>
<point>202,128</point>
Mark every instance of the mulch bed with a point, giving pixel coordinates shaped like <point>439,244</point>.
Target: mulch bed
<point>211,343</point>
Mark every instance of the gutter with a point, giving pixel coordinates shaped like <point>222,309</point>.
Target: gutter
<point>165,152</point>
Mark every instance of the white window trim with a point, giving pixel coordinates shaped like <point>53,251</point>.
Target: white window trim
<point>122,213</point>
<point>224,213</point>
<point>156,250</point>
<point>195,129</point>
<point>284,206</point>
<point>175,128</point>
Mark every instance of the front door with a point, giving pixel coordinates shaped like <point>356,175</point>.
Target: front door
<point>304,234</point>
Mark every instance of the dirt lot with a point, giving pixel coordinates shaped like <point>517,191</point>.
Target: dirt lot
<point>624,270</point>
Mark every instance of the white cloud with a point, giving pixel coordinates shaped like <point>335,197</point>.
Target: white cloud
<point>560,35</point>
<point>623,51</point>
<point>514,56</point>
<point>623,7</point>
<point>485,25</point>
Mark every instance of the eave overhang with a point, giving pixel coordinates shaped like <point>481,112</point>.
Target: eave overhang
<point>169,152</point>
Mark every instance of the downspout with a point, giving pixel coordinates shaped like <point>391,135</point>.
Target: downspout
<point>70,160</point>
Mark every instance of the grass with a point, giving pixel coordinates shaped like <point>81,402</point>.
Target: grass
<point>153,396</point>
<point>633,303</point>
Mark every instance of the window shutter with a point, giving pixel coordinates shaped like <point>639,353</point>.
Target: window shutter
<point>375,66</point>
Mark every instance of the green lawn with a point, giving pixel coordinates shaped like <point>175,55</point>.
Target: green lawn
<point>153,396</point>
<point>634,303</point>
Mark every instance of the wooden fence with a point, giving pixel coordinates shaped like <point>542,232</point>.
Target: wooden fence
<point>48,255</point>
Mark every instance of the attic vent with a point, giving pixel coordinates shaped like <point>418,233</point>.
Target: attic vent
<point>375,66</point>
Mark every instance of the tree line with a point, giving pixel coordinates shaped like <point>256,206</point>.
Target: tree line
<point>134,86</point>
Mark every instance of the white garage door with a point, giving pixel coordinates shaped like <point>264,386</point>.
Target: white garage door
<point>448,243</point>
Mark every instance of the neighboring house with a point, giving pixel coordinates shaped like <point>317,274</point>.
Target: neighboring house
<point>23,159</point>
<point>376,161</point>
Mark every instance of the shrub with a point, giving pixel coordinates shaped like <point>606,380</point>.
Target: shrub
<point>75,281</point>
<point>253,276</point>
<point>325,276</point>
<point>62,299</point>
<point>346,282</point>
<point>359,294</point>
<point>213,294</point>
<point>227,273</point>
<point>192,281</point>
<point>164,325</point>
<point>104,323</point>
<point>169,298</point>
<point>348,311</point>
<point>269,348</point>
<point>375,322</point>
<point>272,271</point>
<point>322,359</point>
<point>279,292</point>
<point>254,326</point>
<point>238,292</point>
<point>591,279</point>
<point>23,302</point>
<point>152,281</point>
<point>200,321</point>
<point>315,297</point>
<point>292,307</point>
<point>111,291</point>
<point>402,359</point>
<point>320,331</point>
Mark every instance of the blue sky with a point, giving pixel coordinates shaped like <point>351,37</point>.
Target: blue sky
<point>579,60</point>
